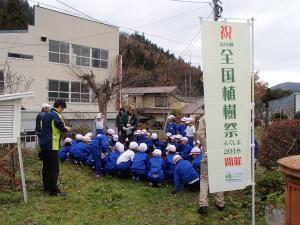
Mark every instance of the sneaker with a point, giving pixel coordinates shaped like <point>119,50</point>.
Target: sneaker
<point>220,208</point>
<point>203,210</point>
<point>98,176</point>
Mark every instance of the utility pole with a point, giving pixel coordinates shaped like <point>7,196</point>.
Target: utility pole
<point>190,75</point>
<point>218,9</point>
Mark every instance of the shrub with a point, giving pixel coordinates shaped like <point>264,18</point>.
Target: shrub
<point>297,115</point>
<point>280,139</point>
<point>279,115</point>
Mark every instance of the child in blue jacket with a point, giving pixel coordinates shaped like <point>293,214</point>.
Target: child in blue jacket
<point>99,145</point>
<point>74,146</point>
<point>185,174</point>
<point>171,125</point>
<point>197,157</point>
<point>65,151</point>
<point>124,161</point>
<point>185,148</point>
<point>156,143</point>
<point>169,164</point>
<point>111,159</point>
<point>83,150</point>
<point>181,127</point>
<point>156,169</point>
<point>139,168</point>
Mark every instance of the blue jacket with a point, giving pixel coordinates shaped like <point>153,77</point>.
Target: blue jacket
<point>172,128</point>
<point>197,163</point>
<point>181,129</point>
<point>98,145</point>
<point>52,126</point>
<point>63,152</point>
<point>170,165</point>
<point>74,147</point>
<point>111,162</point>
<point>156,167</point>
<point>140,161</point>
<point>179,147</point>
<point>184,173</point>
<point>158,144</point>
<point>83,151</point>
<point>186,150</point>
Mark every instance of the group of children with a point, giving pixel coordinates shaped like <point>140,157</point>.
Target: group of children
<point>175,159</point>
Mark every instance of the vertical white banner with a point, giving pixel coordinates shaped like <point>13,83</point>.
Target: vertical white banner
<point>227,95</point>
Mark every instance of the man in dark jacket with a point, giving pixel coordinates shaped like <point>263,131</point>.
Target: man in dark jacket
<point>38,120</point>
<point>52,126</point>
<point>129,123</point>
<point>118,120</point>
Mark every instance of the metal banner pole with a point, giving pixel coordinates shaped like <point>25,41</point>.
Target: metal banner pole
<point>252,124</point>
<point>22,171</point>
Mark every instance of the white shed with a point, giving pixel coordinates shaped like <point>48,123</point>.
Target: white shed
<point>10,125</point>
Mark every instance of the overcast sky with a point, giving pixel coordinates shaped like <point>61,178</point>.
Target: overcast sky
<point>175,26</point>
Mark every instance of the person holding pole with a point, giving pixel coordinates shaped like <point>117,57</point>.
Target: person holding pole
<point>203,196</point>
<point>52,126</point>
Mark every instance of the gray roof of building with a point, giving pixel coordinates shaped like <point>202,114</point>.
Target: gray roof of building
<point>194,107</point>
<point>149,90</point>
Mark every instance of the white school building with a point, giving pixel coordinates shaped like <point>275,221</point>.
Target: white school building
<point>46,51</point>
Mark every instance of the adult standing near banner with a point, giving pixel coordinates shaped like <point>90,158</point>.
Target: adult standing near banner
<point>53,125</point>
<point>129,123</point>
<point>203,196</point>
<point>118,119</point>
<point>38,120</point>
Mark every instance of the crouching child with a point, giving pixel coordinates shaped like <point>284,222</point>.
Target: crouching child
<point>111,159</point>
<point>156,169</point>
<point>124,161</point>
<point>139,168</point>
<point>64,152</point>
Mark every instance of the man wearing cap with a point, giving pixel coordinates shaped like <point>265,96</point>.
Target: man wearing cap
<point>181,127</point>
<point>203,197</point>
<point>38,120</point>
<point>53,125</point>
<point>190,131</point>
<point>129,123</point>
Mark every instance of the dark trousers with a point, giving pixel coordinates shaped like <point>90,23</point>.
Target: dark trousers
<point>124,136</point>
<point>50,170</point>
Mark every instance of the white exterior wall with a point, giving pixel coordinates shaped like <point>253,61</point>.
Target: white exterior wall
<point>297,102</point>
<point>59,27</point>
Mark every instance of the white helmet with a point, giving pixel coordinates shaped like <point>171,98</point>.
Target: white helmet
<point>133,145</point>
<point>154,136</point>
<point>171,148</point>
<point>78,137</point>
<point>111,132</point>
<point>176,158</point>
<point>157,152</point>
<point>68,140</point>
<point>142,147</point>
<point>120,147</point>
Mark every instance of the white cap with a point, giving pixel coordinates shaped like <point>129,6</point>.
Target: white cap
<point>86,139</point>
<point>187,122</point>
<point>78,137</point>
<point>173,137</point>
<point>157,152</point>
<point>171,117</point>
<point>148,134</point>
<point>190,119</point>
<point>133,145</point>
<point>144,131</point>
<point>195,151</point>
<point>178,136</point>
<point>89,134</point>
<point>154,136</point>
<point>183,119</point>
<point>184,139</point>
<point>111,132</point>
<point>169,134</point>
<point>138,132</point>
<point>99,115</point>
<point>68,140</point>
<point>176,158</point>
<point>171,148</point>
<point>115,137</point>
<point>45,105</point>
<point>142,147</point>
<point>120,147</point>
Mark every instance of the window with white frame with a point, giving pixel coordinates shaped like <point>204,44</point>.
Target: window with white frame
<point>1,81</point>
<point>81,55</point>
<point>70,91</point>
<point>19,56</point>
<point>99,58</point>
<point>80,92</point>
<point>58,89</point>
<point>161,101</point>
<point>59,52</point>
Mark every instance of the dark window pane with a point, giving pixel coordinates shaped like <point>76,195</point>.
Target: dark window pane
<point>104,64</point>
<point>1,86</point>
<point>63,95</point>
<point>96,63</point>
<point>78,61</point>
<point>64,86</point>
<point>85,51</point>
<point>104,54</point>
<point>64,48</point>
<point>64,58</point>
<point>96,53</point>
<point>76,50</point>
<point>53,94</point>
<point>53,46</point>
<point>1,75</point>
<point>53,57</point>
<point>84,88</point>
<point>160,101</point>
<point>85,61</point>
<point>75,97</point>
<point>85,97</point>
<point>75,87</point>
<point>53,85</point>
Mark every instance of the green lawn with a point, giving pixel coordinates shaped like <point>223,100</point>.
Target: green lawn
<point>114,201</point>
